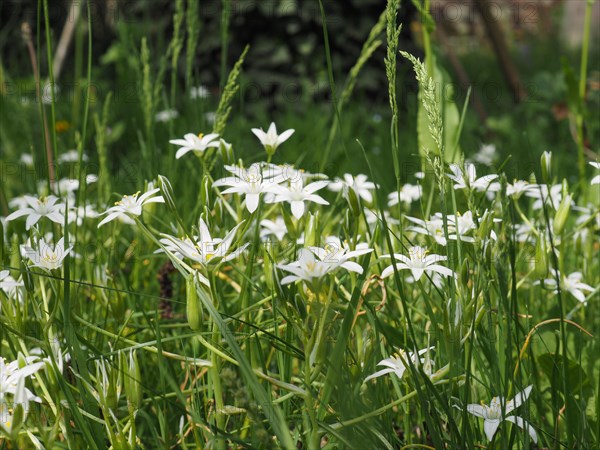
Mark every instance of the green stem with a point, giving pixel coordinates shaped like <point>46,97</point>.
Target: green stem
<point>582,88</point>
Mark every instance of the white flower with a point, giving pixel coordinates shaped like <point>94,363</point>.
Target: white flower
<point>11,373</point>
<point>518,188</point>
<point>38,208</point>
<point>287,172</point>
<point>131,205</point>
<point>311,269</point>
<point>541,193</point>
<point>408,194</point>
<point>417,262</point>
<point>82,212</point>
<point>571,283</point>
<point>339,253</point>
<point>297,194</point>
<point>433,228</point>
<point>198,144</point>
<point>493,414</point>
<point>398,363</point>
<point>275,228</point>
<point>204,248</point>
<point>91,178</point>
<point>166,116</point>
<point>47,257</point>
<point>361,186</point>
<point>248,182</point>
<point>469,179</point>
<point>596,179</point>
<point>373,217</point>
<point>271,140</point>
<point>71,156</point>
<point>26,159</point>
<point>486,155</point>
<point>199,92</point>
<point>9,285</point>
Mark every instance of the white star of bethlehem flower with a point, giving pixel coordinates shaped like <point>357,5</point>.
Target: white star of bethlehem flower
<point>271,140</point>
<point>249,182</point>
<point>359,183</point>
<point>196,143</point>
<point>204,248</point>
<point>38,208</point>
<point>47,257</point>
<point>418,262</point>
<point>275,228</point>
<point>493,415</point>
<point>131,205</point>
<point>467,178</point>
<point>339,253</point>
<point>571,283</point>
<point>311,269</point>
<point>398,363</point>
<point>296,194</point>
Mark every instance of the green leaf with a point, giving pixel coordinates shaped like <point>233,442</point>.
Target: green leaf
<point>551,364</point>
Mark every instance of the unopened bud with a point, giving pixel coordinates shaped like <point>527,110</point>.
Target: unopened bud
<point>289,224</point>
<point>193,310</point>
<point>311,235</point>
<point>541,257</point>
<point>226,150</point>
<point>353,202</point>
<point>132,378</point>
<point>205,191</point>
<point>562,214</point>
<point>546,163</point>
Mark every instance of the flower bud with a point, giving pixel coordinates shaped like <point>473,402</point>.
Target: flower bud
<point>546,163</point>
<point>562,214</point>
<point>268,268</point>
<point>464,273</point>
<point>311,235</point>
<point>353,202</point>
<point>289,224</point>
<point>205,191</point>
<point>226,150</point>
<point>349,224</point>
<point>541,257</point>
<point>193,310</point>
<point>132,378</point>
<point>167,191</point>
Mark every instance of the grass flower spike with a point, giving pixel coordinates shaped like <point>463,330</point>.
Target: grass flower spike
<point>493,414</point>
<point>131,205</point>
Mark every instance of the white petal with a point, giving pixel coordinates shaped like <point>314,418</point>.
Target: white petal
<point>518,399</point>
<point>378,374</point>
<point>297,209</point>
<point>284,136</point>
<point>490,427</point>
<point>476,410</point>
<point>251,202</point>
<point>523,424</point>
<point>182,151</point>
<point>32,219</point>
